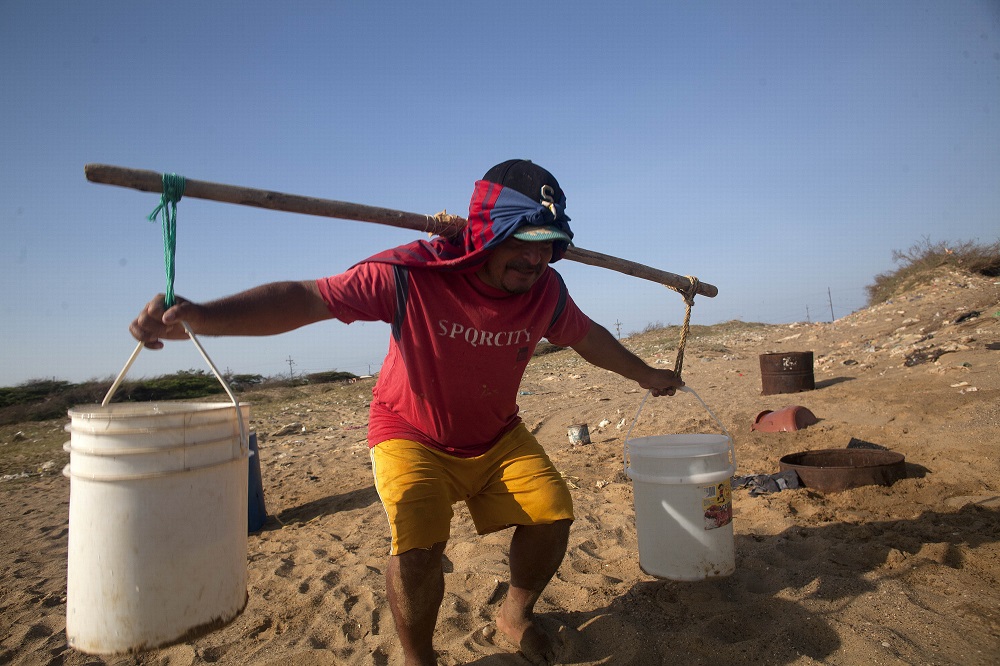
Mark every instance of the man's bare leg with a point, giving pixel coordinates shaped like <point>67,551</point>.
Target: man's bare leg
<point>536,551</point>
<point>415,588</point>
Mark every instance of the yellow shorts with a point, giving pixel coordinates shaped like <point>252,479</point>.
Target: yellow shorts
<point>514,483</point>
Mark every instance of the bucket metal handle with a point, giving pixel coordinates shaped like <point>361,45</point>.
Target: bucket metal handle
<point>686,389</point>
<point>244,440</point>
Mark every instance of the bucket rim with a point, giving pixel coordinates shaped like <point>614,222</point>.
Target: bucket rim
<point>706,444</point>
<point>130,410</point>
<point>693,435</point>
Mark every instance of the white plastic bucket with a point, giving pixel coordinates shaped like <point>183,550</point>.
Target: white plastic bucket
<point>157,523</point>
<point>683,503</point>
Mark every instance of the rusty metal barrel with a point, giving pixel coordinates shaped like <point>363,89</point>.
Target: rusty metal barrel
<point>786,372</point>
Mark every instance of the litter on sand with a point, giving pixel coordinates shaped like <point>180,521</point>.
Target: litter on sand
<point>764,484</point>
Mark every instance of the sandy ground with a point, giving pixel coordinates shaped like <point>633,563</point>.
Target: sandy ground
<point>906,574</point>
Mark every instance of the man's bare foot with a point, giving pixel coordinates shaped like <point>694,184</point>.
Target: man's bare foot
<point>529,638</point>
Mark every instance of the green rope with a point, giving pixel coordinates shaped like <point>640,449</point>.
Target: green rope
<point>173,190</point>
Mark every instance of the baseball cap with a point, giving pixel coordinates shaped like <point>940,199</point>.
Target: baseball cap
<point>538,185</point>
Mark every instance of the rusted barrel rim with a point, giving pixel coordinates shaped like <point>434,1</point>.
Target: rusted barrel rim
<point>834,470</point>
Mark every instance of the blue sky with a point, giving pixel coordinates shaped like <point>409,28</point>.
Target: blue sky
<point>779,150</point>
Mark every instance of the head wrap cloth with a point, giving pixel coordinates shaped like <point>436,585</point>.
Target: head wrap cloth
<point>495,213</point>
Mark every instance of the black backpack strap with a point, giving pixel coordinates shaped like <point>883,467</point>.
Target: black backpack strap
<point>561,303</point>
<point>401,274</point>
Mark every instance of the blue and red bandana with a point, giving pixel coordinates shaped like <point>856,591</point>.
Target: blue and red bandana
<point>495,213</point>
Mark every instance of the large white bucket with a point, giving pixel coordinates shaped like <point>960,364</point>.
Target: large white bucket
<point>157,523</point>
<point>683,503</point>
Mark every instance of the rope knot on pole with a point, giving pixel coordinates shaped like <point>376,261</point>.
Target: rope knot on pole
<point>444,224</point>
<point>173,190</point>
<point>688,294</point>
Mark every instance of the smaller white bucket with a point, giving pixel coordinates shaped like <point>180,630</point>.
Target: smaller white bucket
<point>683,503</point>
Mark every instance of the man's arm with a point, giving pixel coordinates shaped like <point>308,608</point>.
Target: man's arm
<point>265,310</point>
<point>601,348</point>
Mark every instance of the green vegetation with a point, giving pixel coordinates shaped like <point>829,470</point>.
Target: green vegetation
<point>923,261</point>
<point>328,377</point>
<point>42,399</point>
<point>670,336</point>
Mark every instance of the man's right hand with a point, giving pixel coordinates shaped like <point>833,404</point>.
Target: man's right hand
<point>156,322</point>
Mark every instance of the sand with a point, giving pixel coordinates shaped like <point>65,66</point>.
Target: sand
<point>905,574</point>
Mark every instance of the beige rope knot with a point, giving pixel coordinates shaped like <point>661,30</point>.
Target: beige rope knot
<point>443,224</point>
<point>691,291</point>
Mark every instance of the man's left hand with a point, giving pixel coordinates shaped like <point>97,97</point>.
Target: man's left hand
<point>661,382</point>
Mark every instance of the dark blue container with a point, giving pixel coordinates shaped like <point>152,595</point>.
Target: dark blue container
<point>256,513</point>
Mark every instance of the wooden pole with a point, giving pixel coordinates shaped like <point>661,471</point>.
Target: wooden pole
<point>151,181</point>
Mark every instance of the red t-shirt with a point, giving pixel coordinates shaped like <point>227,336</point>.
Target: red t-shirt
<point>458,349</point>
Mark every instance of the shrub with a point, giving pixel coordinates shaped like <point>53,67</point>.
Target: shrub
<point>329,377</point>
<point>37,400</point>
<point>918,264</point>
<point>244,382</point>
<point>31,391</point>
<point>183,385</point>
<point>41,399</point>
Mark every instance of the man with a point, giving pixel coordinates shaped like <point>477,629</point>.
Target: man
<point>466,315</point>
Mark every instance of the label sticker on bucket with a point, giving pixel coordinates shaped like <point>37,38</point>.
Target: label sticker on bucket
<point>717,501</point>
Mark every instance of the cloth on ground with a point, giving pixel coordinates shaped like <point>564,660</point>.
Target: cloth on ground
<point>763,484</point>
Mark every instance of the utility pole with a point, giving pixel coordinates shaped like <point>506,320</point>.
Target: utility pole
<point>618,328</point>
<point>830,298</point>
<point>808,320</point>
<point>291,374</point>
